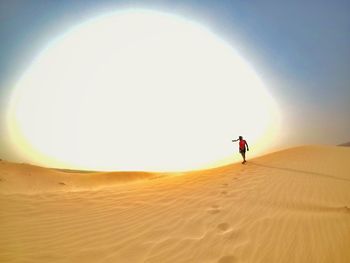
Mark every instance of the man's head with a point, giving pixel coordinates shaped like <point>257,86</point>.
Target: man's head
<point>240,138</point>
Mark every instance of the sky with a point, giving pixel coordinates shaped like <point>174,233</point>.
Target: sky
<point>299,49</point>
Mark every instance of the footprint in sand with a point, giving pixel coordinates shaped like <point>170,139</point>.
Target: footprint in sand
<point>225,185</point>
<point>224,192</point>
<point>61,183</point>
<point>234,234</point>
<point>223,227</point>
<point>214,210</point>
<point>227,259</point>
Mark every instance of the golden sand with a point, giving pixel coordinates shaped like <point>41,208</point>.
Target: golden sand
<point>289,206</point>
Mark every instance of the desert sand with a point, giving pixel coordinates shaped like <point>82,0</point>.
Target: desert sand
<point>288,206</point>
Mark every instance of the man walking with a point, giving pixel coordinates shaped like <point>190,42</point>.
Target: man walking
<point>242,147</point>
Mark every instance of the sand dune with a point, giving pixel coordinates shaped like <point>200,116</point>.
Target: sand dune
<point>288,206</point>
<point>31,179</point>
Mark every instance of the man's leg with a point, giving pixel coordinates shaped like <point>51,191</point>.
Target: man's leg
<point>243,155</point>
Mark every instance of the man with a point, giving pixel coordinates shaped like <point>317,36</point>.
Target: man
<point>242,147</point>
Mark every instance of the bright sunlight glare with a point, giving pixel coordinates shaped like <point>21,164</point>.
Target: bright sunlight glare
<point>139,90</point>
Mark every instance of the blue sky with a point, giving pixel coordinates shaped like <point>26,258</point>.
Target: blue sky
<point>300,49</point>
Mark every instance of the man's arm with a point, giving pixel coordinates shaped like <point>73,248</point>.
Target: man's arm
<point>247,146</point>
<point>235,140</point>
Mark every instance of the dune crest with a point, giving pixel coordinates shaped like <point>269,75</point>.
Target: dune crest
<point>31,179</point>
<point>288,206</point>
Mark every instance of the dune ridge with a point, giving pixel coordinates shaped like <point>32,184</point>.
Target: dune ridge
<point>32,179</point>
<point>288,206</point>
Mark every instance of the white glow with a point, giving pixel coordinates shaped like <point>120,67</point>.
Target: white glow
<point>138,90</point>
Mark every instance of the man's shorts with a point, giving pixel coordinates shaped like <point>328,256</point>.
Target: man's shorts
<point>241,151</point>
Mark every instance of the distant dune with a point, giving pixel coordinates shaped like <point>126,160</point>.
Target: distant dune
<point>345,144</point>
<point>288,206</point>
<point>31,179</point>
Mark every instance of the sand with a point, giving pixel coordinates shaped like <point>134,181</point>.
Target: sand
<point>289,206</point>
